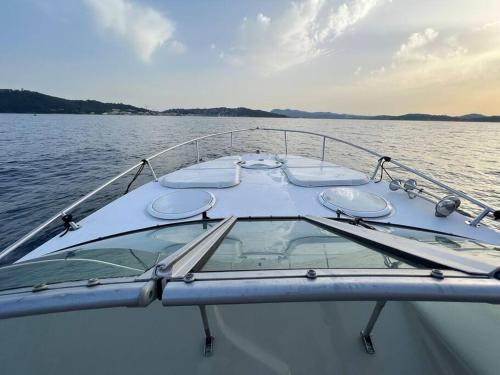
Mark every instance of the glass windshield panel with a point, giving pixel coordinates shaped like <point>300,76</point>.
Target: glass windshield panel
<point>291,244</point>
<point>486,252</point>
<point>120,256</point>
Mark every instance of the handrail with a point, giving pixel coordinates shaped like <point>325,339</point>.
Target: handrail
<point>45,224</point>
<point>326,136</point>
<point>199,139</point>
<point>337,288</point>
<point>451,190</point>
<point>486,209</point>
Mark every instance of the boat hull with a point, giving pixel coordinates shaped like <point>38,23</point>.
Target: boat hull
<point>286,338</point>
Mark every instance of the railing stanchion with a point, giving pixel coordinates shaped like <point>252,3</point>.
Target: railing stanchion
<point>231,140</point>
<point>379,163</point>
<point>286,145</point>
<point>197,153</point>
<point>152,170</point>
<point>323,152</point>
<point>481,216</point>
<point>9,249</point>
<point>366,333</point>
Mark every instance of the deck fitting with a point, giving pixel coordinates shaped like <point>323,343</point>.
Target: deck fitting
<point>209,339</point>
<point>367,342</point>
<point>93,282</point>
<point>366,333</point>
<point>311,274</point>
<point>437,274</point>
<point>39,287</point>
<point>189,277</point>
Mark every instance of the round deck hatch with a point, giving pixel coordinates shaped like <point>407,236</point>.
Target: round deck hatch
<point>260,164</point>
<point>355,202</point>
<point>181,204</point>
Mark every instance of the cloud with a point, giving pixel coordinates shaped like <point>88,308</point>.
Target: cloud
<point>487,26</point>
<point>264,20</point>
<point>416,43</point>
<point>143,27</point>
<point>427,48</point>
<point>430,59</point>
<point>305,31</point>
<point>345,16</point>
<point>378,72</point>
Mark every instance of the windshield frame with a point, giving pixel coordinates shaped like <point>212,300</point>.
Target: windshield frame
<point>291,285</point>
<point>152,273</point>
<point>145,229</point>
<point>140,275</point>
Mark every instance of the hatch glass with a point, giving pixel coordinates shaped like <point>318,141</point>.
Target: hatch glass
<point>292,244</point>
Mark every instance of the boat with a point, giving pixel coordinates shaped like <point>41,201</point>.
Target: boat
<point>262,262</point>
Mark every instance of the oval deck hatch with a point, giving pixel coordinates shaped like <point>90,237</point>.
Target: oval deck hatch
<point>355,202</point>
<point>181,204</point>
<point>260,164</point>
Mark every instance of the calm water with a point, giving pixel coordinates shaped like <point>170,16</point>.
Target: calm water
<point>48,161</point>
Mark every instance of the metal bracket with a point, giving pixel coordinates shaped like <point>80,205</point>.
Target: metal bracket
<point>209,339</point>
<point>197,152</point>
<point>481,216</point>
<point>286,145</point>
<point>148,163</point>
<point>366,333</point>
<point>381,160</point>
<point>39,287</point>
<point>323,150</point>
<point>68,221</point>
<point>74,226</point>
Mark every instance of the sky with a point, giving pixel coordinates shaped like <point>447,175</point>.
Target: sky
<point>345,56</point>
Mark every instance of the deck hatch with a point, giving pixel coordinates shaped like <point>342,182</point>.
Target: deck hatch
<point>260,164</point>
<point>355,202</point>
<point>181,204</point>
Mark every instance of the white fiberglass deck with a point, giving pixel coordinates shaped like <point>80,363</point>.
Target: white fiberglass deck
<point>316,173</point>
<point>261,193</point>
<point>220,173</point>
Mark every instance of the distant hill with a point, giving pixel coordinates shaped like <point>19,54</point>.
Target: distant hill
<point>222,112</point>
<point>323,115</point>
<point>24,101</point>
<point>473,117</point>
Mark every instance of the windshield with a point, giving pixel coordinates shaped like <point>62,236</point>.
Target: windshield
<point>251,244</point>
<point>292,244</point>
<point>120,256</point>
<point>484,251</point>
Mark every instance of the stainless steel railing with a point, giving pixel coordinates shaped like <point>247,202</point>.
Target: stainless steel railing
<point>77,203</point>
<point>486,209</point>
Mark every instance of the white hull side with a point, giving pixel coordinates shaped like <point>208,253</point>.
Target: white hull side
<point>409,338</point>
